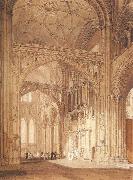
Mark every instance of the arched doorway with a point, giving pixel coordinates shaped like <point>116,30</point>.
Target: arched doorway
<point>129,126</point>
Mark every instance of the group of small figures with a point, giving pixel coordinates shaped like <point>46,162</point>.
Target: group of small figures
<point>42,156</point>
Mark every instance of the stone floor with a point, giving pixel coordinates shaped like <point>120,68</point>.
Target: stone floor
<point>51,171</point>
<point>88,164</point>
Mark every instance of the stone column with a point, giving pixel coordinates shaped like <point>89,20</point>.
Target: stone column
<point>76,98</point>
<point>118,135</point>
<point>79,137</point>
<point>45,142</point>
<point>56,138</point>
<point>52,138</point>
<point>48,139</point>
<point>50,143</point>
<point>98,122</point>
<point>81,97</point>
<point>9,91</point>
<point>106,89</point>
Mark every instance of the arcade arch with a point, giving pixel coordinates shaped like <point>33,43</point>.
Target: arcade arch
<point>122,83</point>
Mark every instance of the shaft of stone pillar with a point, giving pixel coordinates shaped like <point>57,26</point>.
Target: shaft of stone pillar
<point>9,111</point>
<point>79,142</point>
<point>107,89</point>
<point>61,137</point>
<point>52,138</point>
<point>118,129</point>
<point>81,89</point>
<point>4,84</point>
<point>88,95</point>
<point>113,129</point>
<point>72,107</point>
<point>1,83</point>
<point>98,122</point>
<point>45,150</point>
<point>47,140</point>
<point>76,98</point>
<point>28,132</point>
<point>73,99</point>
<point>123,130</point>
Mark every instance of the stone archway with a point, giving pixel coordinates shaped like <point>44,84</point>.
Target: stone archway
<point>122,73</point>
<point>122,83</point>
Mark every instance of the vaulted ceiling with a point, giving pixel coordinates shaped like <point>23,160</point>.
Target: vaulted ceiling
<point>124,20</point>
<point>53,22</point>
<point>68,23</point>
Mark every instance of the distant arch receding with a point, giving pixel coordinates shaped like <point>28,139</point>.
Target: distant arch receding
<point>50,90</point>
<point>32,67</point>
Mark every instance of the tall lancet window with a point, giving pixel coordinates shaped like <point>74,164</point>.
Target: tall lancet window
<point>23,131</point>
<point>31,132</point>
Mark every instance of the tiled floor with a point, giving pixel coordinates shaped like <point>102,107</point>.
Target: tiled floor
<point>50,171</point>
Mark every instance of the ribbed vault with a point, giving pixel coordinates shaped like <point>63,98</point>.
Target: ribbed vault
<point>57,23</point>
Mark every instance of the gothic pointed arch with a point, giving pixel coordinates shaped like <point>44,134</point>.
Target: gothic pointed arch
<point>122,78</point>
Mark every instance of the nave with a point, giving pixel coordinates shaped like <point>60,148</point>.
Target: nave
<point>66,73</point>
